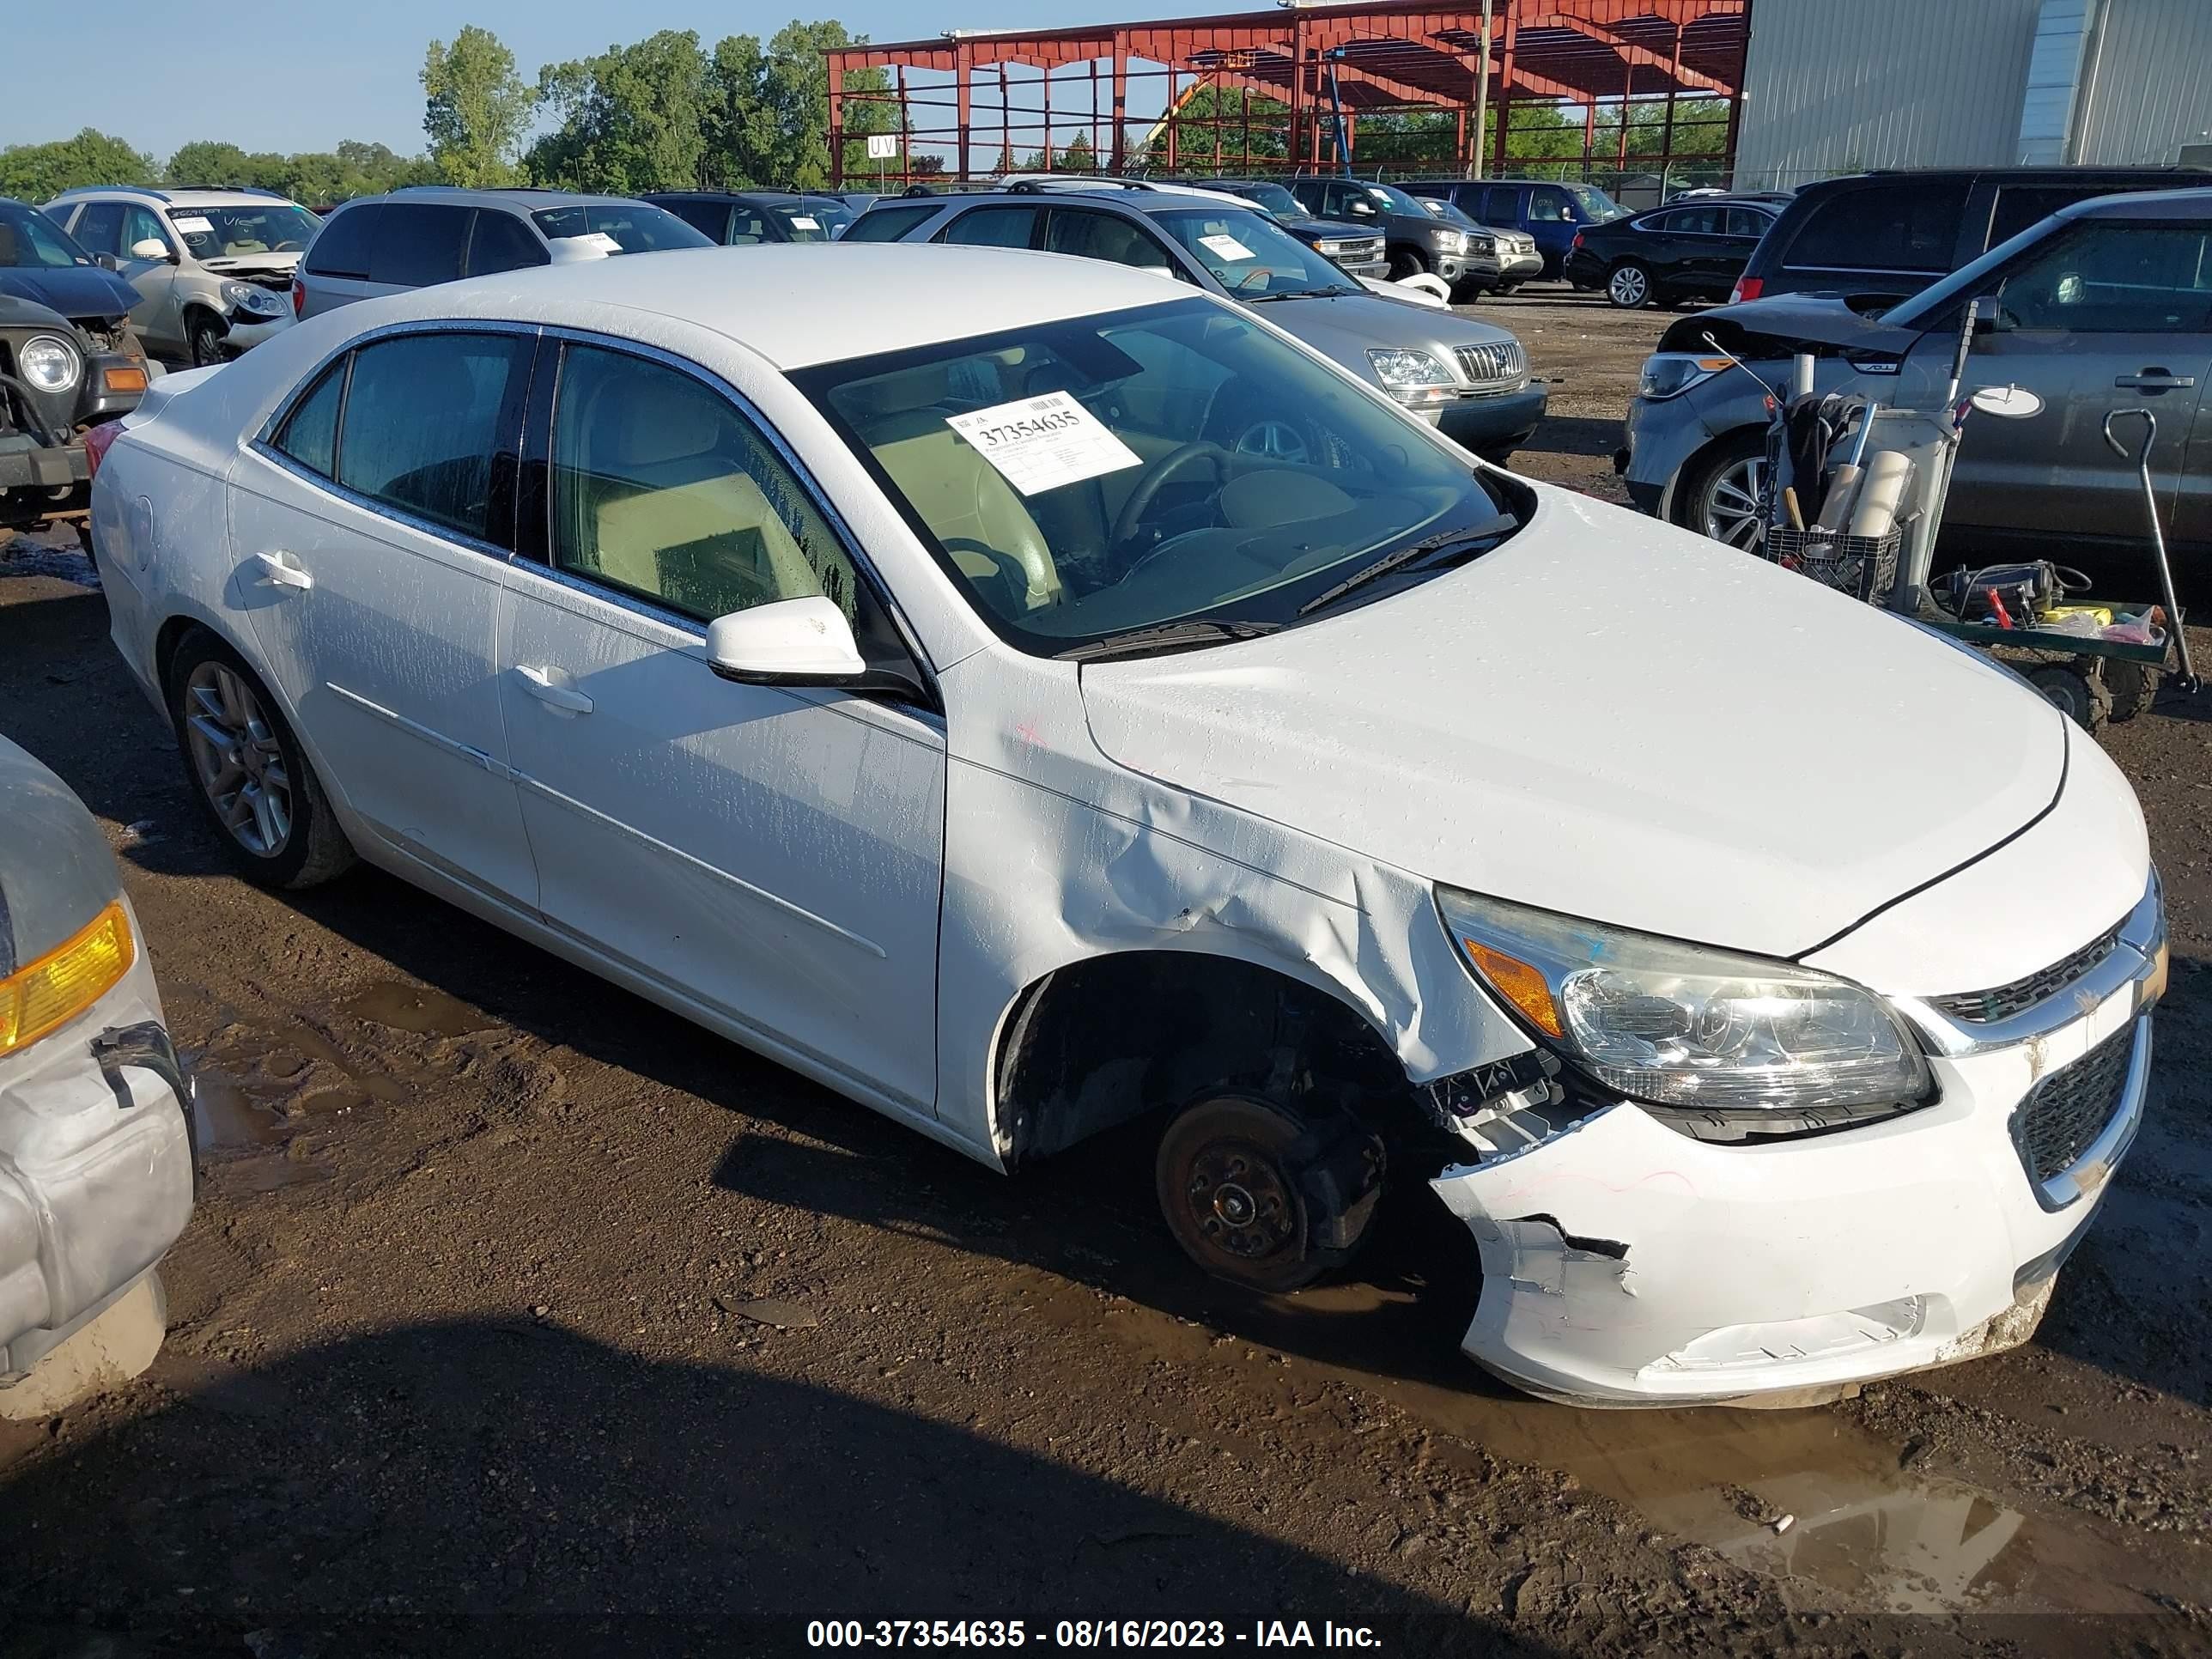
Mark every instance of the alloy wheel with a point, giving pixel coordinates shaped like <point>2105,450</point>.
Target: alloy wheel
<point>1629,287</point>
<point>240,763</point>
<point>1731,511</point>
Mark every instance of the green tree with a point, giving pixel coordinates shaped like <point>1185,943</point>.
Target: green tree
<point>478,109</point>
<point>207,162</point>
<point>633,118</point>
<point>37,172</point>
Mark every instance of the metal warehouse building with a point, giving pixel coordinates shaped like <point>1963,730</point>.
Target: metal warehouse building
<point>1837,86</point>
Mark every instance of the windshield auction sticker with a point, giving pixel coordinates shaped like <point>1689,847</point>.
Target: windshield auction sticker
<point>1040,443</point>
<point>191,224</point>
<point>1226,246</point>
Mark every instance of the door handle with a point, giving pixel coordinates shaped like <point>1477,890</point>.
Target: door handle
<point>540,683</point>
<point>2156,380</point>
<point>278,570</point>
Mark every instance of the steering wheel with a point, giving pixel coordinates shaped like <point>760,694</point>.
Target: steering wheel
<point>1157,478</point>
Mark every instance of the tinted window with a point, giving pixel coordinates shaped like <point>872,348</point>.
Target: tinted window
<point>992,227</point>
<point>1547,206</point>
<point>888,224</point>
<point>418,244</point>
<point>634,227</point>
<point>1748,221</point>
<point>1884,228</point>
<point>143,225</point>
<point>99,227</point>
<point>1696,222</point>
<point>501,242</point>
<point>707,218</point>
<point>1501,206</point>
<point>2099,278</point>
<point>341,246</point>
<point>311,434</point>
<point>29,240</point>
<point>422,420</point>
<point>2018,206</point>
<point>748,226</point>
<point>1103,236</point>
<point>660,487</point>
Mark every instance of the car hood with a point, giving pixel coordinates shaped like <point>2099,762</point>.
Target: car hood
<point>74,290</point>
<point>1334,229</point>
<point>1345,327</point>
<point>1813,319</point>
<point>1613,718</point>
<point>253,265</point>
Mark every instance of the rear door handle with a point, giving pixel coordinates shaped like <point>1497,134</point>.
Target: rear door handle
<point>278,570</point>
<point>538,682</point>
<point>2156,380</point>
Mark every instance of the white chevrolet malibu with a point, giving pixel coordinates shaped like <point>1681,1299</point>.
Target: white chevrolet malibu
<point>886,657</point>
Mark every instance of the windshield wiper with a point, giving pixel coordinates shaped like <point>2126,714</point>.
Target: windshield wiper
<point>1331,292</point>
<point>1403,557</point>
<point>1166,636</point>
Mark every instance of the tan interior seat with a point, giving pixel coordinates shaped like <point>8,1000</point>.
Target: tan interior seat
<point>974,512</point>
<point>659,483</point>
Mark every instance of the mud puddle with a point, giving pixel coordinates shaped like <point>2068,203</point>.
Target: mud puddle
<point>1861,1526</point>
<point>242,1131</point>
<point>414,1008</point>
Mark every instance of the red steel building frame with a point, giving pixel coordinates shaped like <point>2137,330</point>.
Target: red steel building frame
<point>1388,57</point>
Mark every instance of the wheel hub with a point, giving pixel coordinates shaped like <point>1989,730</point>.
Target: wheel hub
<point>1241,1202</point>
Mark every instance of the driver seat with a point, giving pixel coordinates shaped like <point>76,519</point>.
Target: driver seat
<point>975,513</point>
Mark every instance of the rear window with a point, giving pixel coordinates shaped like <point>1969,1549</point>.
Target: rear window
<point>888,224</point>
<point>341,246</point>
<point>417,243</point>
<point>1901,227</point>
<point>634,227</point>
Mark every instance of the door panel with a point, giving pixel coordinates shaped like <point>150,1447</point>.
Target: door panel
<point>382,632</point>
<point>774,853</point>
<point>158,317</point>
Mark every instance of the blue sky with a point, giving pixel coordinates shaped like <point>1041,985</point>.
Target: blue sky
<point>302,76</point>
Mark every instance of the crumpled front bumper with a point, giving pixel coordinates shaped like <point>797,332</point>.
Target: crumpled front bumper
<point>96,1167</point>
<point>1626,1264</point>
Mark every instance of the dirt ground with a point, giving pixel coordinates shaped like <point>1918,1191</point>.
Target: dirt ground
<point>519,1316</point>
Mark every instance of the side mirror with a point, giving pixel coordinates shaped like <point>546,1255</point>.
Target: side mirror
<point>785,642</point>
<point>107,262</point>
<point>152,247</point>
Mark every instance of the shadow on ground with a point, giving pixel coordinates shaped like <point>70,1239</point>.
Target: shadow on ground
<point>478,1488</point>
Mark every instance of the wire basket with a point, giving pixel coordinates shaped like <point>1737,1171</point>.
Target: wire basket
<point>1864,567</point>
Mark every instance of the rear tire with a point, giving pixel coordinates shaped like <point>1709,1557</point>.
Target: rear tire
<point>249,772</point>
<point>1716,495</point>
<point>1257,1195</point>
<point>1629,286</point>
<point>203,337</point>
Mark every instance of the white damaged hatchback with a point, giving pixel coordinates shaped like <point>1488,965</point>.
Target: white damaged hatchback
<point>937,696</point>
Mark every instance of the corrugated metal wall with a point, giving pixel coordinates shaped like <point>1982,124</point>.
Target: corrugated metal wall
<point>1834,86</point>
<point>2149,82</point>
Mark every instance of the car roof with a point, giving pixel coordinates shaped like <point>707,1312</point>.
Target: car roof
<point>2087,175</point>
<point>228,196</point>
<point>1160,198</point>
<point>2192,203</point>
<point>798,303</point>
<point>522,199</point>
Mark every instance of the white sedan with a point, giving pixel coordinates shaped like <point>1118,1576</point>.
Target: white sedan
<point>875,655</point>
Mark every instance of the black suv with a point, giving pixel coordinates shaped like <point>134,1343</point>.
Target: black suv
<point>741,218</point>
<point>1887,235</point>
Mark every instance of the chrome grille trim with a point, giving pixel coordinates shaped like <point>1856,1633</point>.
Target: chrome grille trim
<point>1492,363</point>
<point>2003,1001</point>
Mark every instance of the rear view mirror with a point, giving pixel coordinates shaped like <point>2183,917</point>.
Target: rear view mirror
<point>149,247</point>
<point>785,642</point>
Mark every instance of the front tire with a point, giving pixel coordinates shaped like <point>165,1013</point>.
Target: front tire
<point>1718,493</point>
<point>1629,287</point>
<point>1258,1195</point>
<point>1407,262</point>
<point>203,337</point>
<point>249,772</point>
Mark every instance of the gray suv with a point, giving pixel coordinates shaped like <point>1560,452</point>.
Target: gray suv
<point>1468,379</point>
<point>2105,305</point>
<point>416,237</point>
<point>1465,257</point>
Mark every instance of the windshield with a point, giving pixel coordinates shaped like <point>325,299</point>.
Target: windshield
<point>1249,255</point>
<point>1967,279</point>
<point>1276,198</point>
<point>30,239</point>
<point>231,233</point>
<point>1594,205</point>
<point>634,227</point>
<point>1449,212</point>
<point>1391,199</point>
<point>1178,463</point>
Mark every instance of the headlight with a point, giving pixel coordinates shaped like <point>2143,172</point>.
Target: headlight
<point>1330,248</point>
<point>247,297</point>
<point>1720,1045</point>
<point>1670,373</point>
<point>49,362</point>
<point>1452,241</point>
<point>1412,377</point>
